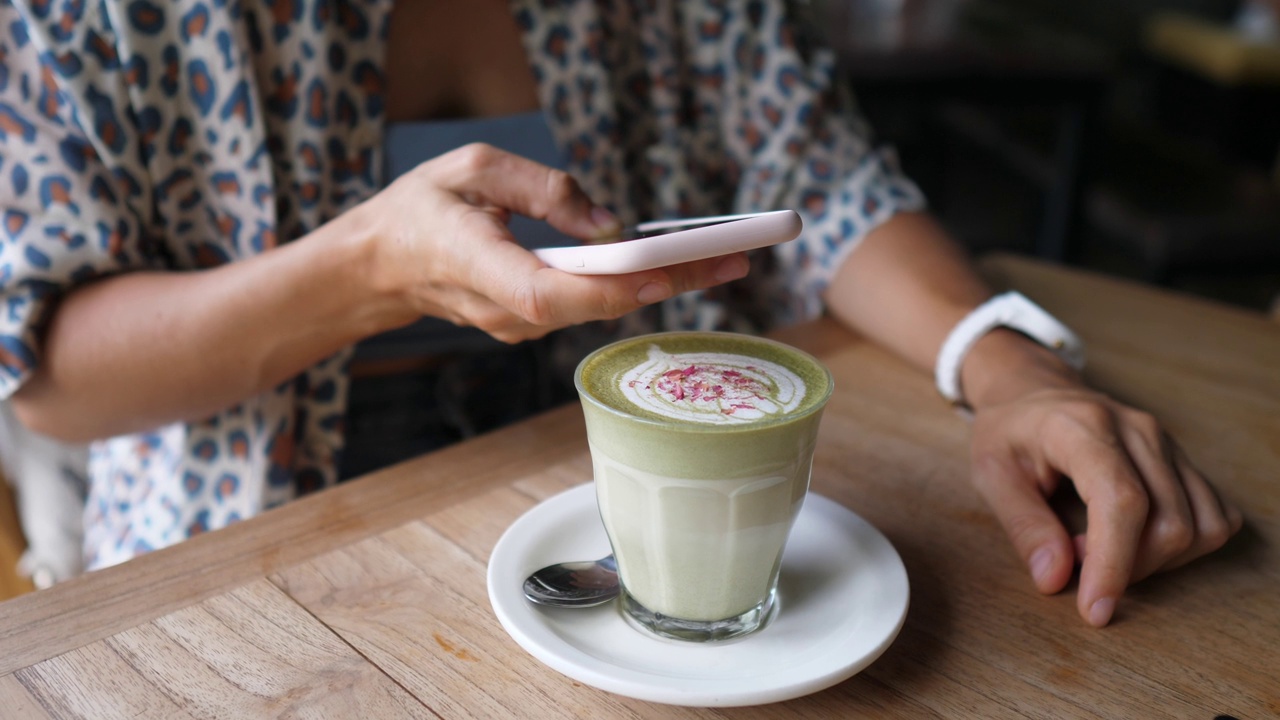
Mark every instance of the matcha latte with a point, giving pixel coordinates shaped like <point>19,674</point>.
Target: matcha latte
<point>702,445</point>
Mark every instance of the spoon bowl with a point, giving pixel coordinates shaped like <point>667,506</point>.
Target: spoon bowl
<point>574,584</point>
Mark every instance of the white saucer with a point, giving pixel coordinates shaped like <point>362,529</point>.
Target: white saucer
<point>842,599</point>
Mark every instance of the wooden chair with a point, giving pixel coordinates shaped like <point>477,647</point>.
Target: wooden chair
<point>12,543</point>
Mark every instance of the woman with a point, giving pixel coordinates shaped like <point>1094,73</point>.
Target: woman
<point>198,235</point>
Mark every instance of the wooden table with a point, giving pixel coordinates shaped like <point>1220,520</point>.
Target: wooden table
<point>369,600</point>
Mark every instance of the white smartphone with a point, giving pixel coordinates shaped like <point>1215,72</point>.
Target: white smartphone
<point>669,242</point>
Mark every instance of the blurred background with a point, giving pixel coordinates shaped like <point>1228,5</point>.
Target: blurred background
<point>1136,137</point>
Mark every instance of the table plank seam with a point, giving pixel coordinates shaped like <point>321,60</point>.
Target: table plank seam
<point>343,639</point>
<point>275,553</point>
<point>426,527</point>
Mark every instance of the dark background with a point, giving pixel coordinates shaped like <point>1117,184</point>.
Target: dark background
<point>1062,129</point>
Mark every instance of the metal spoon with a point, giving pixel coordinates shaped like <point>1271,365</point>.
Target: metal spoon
<point>574,584</point>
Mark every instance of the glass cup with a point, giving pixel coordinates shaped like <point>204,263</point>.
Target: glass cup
<point>701,446</point>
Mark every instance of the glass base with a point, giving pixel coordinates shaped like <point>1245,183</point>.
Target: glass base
<point>699,630</point>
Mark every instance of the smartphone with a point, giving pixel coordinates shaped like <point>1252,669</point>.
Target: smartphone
<point>669,242</point>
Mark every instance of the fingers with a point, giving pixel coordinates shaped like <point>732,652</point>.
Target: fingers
<point>1080,439</point>
<point>707,273</point>
<point>1214,519</point>
<point>545,298</point>
<point>485,175</point>
<point>1117,512</point>
<point>1170,528</point>
<point>1036,532</point>
<point>1186,518</point>
<point>1148,507</point>
<point>530,299</point>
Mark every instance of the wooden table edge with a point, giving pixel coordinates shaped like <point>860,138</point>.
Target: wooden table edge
<point>99,604</point>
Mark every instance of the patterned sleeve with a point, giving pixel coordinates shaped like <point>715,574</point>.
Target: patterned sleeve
<point>69,199</point>
<point>792,135</point>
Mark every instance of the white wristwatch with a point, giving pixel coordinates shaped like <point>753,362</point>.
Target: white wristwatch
<point>1011,310</point>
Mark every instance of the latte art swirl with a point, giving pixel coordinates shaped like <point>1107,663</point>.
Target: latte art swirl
<point>712,388</point>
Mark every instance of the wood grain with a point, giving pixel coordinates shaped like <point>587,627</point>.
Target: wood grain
<point>415,604</point>
<point>381,583</point>
<point>19,703</point>
<point>169,579</point>
<point>250,652</point>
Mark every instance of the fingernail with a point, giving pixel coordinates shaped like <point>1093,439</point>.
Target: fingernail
<point>1101,610</point>
<point>605,221</point>
<point>1041,564</point>
<point>732,268</point>
<point>652,293</point>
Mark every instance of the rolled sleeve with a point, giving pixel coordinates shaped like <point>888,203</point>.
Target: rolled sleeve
<point>66,197</point>
<point>800,144</point>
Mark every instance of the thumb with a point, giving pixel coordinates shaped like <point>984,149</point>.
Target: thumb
<point>1035,530</point>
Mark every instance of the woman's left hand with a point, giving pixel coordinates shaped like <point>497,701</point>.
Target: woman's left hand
<point>1149,508</point>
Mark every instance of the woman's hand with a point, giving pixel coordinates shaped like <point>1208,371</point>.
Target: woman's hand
<point>441,246</point>
<point>138,350</point>
<point>1036,424</point>
<point>1148,508</point>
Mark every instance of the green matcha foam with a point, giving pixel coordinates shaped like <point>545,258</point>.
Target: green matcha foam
<point>704,379</point>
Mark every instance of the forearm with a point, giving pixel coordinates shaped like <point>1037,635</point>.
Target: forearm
<point>136,351</point>
<point>141,350</point>
<point>908,284</point>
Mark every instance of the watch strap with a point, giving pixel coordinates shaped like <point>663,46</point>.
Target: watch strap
<point>1014,311</point>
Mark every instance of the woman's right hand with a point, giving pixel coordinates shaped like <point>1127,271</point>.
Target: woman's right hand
<point>137,350</point>
<point>442,248</point>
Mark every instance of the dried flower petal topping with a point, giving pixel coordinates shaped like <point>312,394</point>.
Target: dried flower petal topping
<point>712,388</point>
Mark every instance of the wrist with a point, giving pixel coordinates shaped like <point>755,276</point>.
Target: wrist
<point>376,281</point>
<point>1004,365</point>
<point>1041,352</point>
